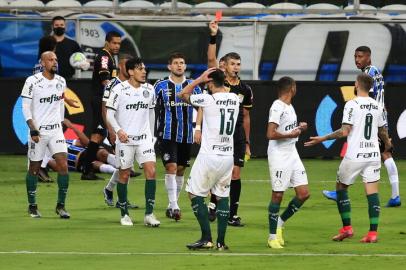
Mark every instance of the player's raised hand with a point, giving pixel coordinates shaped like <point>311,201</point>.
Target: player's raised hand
<point>122,136</point>
<point>314,141</point>
<point>214,27</point>
<point>205,76</point>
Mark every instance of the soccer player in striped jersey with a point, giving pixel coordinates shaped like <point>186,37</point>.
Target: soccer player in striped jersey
<point>175,130</point>
<point>363,62</point>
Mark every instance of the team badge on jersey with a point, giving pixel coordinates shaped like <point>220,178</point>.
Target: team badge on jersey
<point>59,86</point>
<point>145,93</point>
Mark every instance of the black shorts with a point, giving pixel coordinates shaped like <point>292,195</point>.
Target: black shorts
<point>174,152</point>
<point>239,146</point>
<point>98,126</point>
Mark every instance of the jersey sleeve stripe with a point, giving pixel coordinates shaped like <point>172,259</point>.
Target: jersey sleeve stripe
<point>344,123</point>
<point>26,97</point>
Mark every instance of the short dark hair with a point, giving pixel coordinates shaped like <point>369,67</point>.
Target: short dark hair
<point>112,34</point>
<point>364,49</point>
<point>217,77</point>
<point>176,55</point>
<point>222,59</point>
<point>46,43</point>
<point>133,63</point>
<point>284,84</point>
<point>232,55</point>
<point>57,18</point>
<point>365,82</point>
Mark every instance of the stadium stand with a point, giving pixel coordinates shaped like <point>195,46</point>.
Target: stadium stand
<point>137,4</point>
<point>211,5</point>
<point>249,5</point>
<point>63,3</point>
<point>26,3</point>
<point>180,5</point>
<point>99,3</point>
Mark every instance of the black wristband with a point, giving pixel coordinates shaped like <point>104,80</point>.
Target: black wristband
<point>213,39</point>
<point>34,133</point>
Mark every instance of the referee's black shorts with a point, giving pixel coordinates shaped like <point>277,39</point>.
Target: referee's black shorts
<point>174,152</point>
<point>239,146</point>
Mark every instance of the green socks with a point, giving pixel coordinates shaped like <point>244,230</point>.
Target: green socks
<point>373,211</point>
<point>293,207</point>
<point>122,198</point>
<point>63,184</point>
<point>223,212</point>
<point>202,214</point>
<point>31,183</point>
<point>344,207</point>
<point>273,210</point>
<point>150,188</point>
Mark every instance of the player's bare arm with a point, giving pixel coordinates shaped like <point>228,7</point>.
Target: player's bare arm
<point>84,140</point>
<point>384,136</point>
<point>247,127</point>
<point>197,138</point>
<point>34,133</point>
<point>111,133</point>
<point>339,133</point>
<point>273,134</point>
<point>211,50</point>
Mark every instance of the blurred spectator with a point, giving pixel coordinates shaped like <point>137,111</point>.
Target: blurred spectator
<point>65,47</point>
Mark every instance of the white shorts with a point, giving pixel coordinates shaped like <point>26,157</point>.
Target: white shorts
<point>55,143</point>
<point>349,170</point>
<point>210,173</point>
<point>286,170</point>
<point>127,154</point>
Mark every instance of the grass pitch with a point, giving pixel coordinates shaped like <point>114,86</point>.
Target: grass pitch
<point>94,239</point>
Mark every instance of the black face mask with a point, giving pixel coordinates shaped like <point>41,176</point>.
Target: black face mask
<point>59,31</point>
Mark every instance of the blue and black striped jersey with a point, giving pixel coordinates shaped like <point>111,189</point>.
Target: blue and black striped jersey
<point>378,90</point>
<point>73,155</point>
<point>175,117</point>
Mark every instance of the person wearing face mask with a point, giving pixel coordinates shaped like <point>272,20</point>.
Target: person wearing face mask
<point>65,47</point>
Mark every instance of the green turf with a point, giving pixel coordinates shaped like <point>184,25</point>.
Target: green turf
<point>94,228</point>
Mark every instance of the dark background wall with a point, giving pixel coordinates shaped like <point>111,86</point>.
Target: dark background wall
<point>319,104</point>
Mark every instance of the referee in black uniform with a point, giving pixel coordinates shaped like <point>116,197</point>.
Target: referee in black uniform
<point>105,68</point>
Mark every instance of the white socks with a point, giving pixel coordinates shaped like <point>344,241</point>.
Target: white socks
<point>179,185</point>
<point>111,159</point>
<point>111,185</point>
<point>280,222</point>
<point>393,176</point>
<point>107,168</point>
<point>171,188</point>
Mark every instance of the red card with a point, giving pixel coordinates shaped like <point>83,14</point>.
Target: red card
<point>219,15</point>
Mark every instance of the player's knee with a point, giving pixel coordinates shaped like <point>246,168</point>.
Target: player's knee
<point>149,171</point>
<point>277,197</point>
<point>304,196</point>
<point>386,155</point>
<point>171,168</point>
